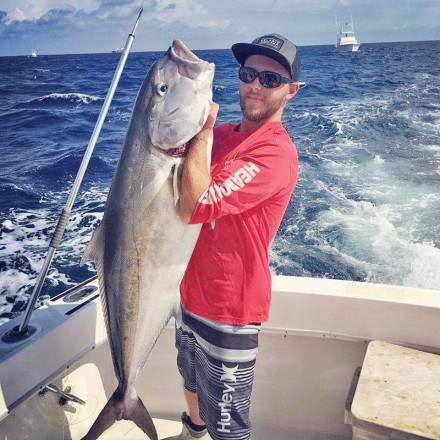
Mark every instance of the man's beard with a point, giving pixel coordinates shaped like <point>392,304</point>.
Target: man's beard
<point>260,113</point>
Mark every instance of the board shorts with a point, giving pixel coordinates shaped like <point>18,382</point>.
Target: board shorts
<point>217,362</point>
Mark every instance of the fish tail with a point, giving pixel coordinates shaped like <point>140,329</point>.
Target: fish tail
<point>119,407</point>
<point>105,419</point>
<point>141,416</point>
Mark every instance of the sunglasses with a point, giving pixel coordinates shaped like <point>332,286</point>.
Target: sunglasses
<point>267,79</point>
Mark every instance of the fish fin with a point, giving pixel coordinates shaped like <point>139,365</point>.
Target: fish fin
<point>140,415</point>
<point>177,172</point>
<point>95,246</point>
<point>105,419</point>
<point>178,169</point>
<point>150,191</point>
<point>94,252</point>
<point>119,407</point>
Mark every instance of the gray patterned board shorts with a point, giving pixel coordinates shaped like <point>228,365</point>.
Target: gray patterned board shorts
<point>217,362</point>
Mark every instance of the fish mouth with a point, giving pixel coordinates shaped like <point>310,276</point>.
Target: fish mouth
<point>180,50</point>
<point>188,63</point>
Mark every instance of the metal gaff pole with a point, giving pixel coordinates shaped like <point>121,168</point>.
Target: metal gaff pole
<point>64,217</point>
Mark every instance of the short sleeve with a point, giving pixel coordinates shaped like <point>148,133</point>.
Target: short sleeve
<point>263,170</point>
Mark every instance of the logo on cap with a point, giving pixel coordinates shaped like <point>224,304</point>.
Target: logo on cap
<point>272,42</point>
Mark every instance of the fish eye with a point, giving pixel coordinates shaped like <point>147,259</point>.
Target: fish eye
<point>161,89</point>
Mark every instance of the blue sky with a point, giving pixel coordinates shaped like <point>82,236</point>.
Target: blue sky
<point>90,26</point>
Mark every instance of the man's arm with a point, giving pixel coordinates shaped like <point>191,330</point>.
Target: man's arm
<point>196,176</point>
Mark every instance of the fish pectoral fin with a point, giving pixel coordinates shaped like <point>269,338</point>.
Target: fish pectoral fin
<point>177,172</point>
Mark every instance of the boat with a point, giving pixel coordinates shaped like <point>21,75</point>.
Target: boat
<point>346,40</point>
<point>55,383</point>
<point>118,50</point>
<point>33,54</point>
<point>331,350</point>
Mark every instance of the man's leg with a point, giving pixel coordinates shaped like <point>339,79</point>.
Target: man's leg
<point>217,363</point>
<point>224,360</point>
<point>193,427</point>
<point>193,407</point>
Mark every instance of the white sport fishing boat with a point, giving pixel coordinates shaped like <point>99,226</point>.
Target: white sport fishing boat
<point>55,383</point>
<point>346,40</point>
<point>56,371</point>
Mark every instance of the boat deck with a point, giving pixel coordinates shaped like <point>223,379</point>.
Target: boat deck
<point>124,430</point>
<point>315,340</point>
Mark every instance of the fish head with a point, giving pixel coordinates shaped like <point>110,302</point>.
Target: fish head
<point>181,93</point>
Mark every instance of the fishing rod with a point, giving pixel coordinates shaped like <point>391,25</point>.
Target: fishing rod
<point>24,330</point>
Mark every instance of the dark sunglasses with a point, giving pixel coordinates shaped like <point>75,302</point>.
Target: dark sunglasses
<point>267,79</point>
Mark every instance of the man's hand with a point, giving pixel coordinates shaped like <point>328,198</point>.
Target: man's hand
<point>196,176</point>
<point>210,121</point>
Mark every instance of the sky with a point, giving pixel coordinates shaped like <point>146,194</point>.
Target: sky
<point>95,26</point>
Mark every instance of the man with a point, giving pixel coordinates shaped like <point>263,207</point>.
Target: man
<point>240,200</point>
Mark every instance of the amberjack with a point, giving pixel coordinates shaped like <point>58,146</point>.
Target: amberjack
<point>141,248</point>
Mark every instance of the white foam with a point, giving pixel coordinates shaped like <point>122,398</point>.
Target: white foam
<point>27,239</point>
<point>378,160</point>
<point>75,97</point>
<point>379,235</point>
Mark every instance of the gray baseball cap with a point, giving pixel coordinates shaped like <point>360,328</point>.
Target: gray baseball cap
<point>274,46</point>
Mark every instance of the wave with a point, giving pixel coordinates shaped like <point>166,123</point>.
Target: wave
<point>24,240</point>
<point>13,194</point>
<point>79,98</point>
<point>358,241</point>
<point>25,119</point>
<point>60,99</point>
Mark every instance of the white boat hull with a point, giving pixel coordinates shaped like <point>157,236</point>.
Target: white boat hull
<point>317,336</point>
<point>350,47</point>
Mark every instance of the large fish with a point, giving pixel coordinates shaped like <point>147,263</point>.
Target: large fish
<point>141,248</point>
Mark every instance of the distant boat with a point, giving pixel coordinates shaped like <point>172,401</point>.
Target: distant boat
<point>346,40</point>
<point>34,54</point>
<point>118,50</point>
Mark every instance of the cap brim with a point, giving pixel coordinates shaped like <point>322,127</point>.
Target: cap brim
<point>242,51</point>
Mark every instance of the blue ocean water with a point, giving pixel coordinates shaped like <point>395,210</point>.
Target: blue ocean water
<point>367,127</point>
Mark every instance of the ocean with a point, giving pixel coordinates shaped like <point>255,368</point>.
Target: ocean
<point>366,125</point>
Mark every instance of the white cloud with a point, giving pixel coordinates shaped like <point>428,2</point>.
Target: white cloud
<point>53,26</point>
<point>20,10</point>
<point>31,12</point>
<point>185,11</point>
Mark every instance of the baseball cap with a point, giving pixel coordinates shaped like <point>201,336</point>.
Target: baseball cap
<point>274,46</point>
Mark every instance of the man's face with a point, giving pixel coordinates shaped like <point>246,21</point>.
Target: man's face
<point>259,103</point>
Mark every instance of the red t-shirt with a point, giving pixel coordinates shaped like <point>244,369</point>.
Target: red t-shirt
<point>253,175</point>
